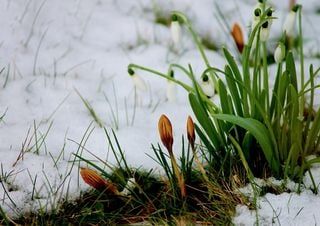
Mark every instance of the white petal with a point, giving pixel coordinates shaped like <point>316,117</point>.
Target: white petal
<point>176,32</point>
<point>264,34</point>
<point>208,88</point>
<point>138,82</point>
<point>171,91</point>
<point>289,23</point>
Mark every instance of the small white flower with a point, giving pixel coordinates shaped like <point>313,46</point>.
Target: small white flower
<point>290,21</point>
<point>256,17</point>
<point>137,81</point>
<point>264,32</point>
<point>171,89</point>
<point>207,86</point>
<point>279,53</point>
<point>175,30</point>
<point>131,184</point>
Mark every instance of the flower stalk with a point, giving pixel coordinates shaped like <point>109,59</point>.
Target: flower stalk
<point>166,135</point>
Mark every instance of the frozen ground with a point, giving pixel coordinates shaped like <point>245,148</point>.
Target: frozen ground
<point>52,51</point>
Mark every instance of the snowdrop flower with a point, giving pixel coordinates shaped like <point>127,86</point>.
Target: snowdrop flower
<point>279,53</point>
<point>289,23</point>
<point>171,89</point>
<point>175,30</point>
<point>207,86</point>
<point>137,81</point>
<point>264,32</point>
<point>131,184</point>
<point>256,17</point>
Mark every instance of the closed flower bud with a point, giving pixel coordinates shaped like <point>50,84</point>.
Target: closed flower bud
<point>137,81</point>
<point>207,86</point>
<point>238,36</point>
<point>175,30</point>
<point>93,179</point>
<point>165,131</point>
<point>190,131</point>
<point>290,21</point>
<point>279,53</point>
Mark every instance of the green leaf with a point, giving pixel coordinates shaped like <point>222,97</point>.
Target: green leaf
<point>291,68</point>
<point>261,134</point>
<point>234,90</point>
<point>204,120</point>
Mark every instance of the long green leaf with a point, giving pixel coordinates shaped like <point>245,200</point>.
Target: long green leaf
<point>261,134</point>
<point>204,120</point>
<point>234,90</point>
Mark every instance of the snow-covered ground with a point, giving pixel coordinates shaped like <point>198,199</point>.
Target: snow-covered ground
<point>52,51</point>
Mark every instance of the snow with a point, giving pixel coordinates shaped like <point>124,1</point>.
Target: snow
<point>53,50</point>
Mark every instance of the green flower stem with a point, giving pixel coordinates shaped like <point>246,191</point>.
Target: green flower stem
<point>301,59</point>
<point>185,86</point>
<point>198,44</point>
<point>265,75</point>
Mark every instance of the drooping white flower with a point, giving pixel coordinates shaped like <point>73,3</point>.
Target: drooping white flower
<point>175,30</point>
<point>131,184</point>
<point>264,32</point>
<point>171,89</point>
<point>137,81</point>
<point>279,53</point>
<point>290,21</point>
<point>256,17</point>
<point>207,86</point>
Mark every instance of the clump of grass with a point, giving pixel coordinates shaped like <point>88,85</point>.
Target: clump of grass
<point>185,193</point>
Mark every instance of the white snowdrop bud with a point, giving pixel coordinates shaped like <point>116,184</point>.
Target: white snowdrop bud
<point>264,32</point>
<point>171,89</point>
<point>279,53</point>
<point>289,23</point>
<point>175,30</point>
<point>207,86</point>
<point>137,81</point>
<point>131,184</point>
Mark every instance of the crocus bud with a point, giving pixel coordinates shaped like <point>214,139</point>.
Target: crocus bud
<point>171,89</point>
<point>190,132</point>
<point>264,32</point>
<point>165,131</point>
<point>93,179</point>
<point>238,36</point>
<point>207,86</point>
<point>279,53</point>
<point>175,30</point>
<point>289,23</point>
<point>137,81</point>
